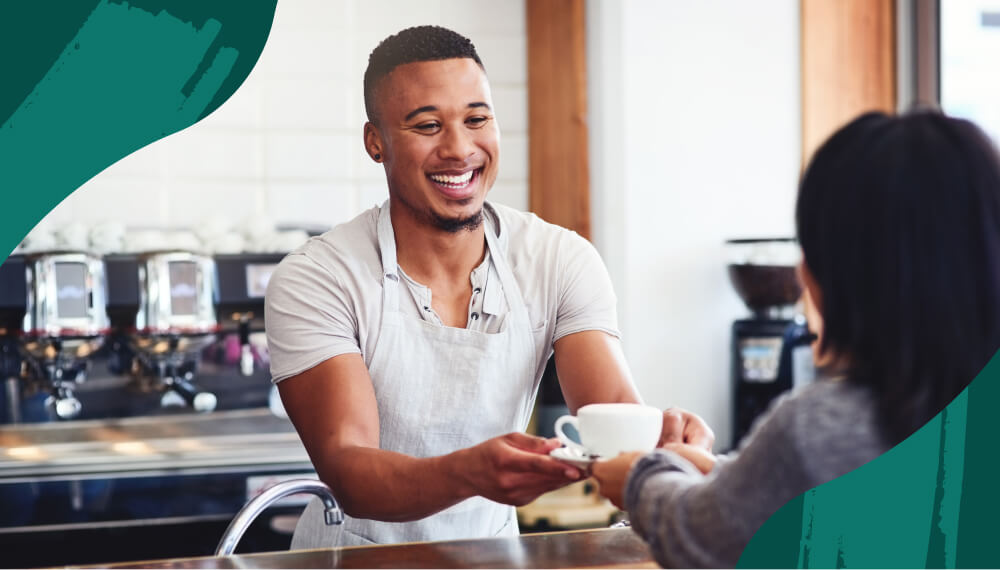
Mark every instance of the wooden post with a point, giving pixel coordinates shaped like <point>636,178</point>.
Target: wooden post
<point>848,64</point>
<point>558,164</point>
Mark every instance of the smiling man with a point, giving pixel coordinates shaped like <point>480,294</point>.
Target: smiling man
<point>409,342</point>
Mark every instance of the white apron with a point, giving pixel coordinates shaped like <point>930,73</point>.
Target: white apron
<point>440,389</point>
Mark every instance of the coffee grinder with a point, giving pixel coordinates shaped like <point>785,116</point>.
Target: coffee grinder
<point>770,350</point>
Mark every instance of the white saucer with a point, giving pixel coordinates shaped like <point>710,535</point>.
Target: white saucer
<point>574,457</point>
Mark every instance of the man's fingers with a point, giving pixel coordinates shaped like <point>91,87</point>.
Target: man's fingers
<point>531,443</point>
<point>701,438</point>
<point>523,453</point>
<point>673,427</point>
<point>697,432</point>
<point>545,465</point>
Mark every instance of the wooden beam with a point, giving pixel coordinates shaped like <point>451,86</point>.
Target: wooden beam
<point>558,164</point>
<point>848,64</point>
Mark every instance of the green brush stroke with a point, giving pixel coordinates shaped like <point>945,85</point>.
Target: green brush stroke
<point>132,73</point>
<point>788,521</point>
<point>31,38</point>
<point>841,561</point>
<point>931,501</point>
<point>976,539</point>
<point>805,548</point>
<point>206,87</point>
<point>947,496</point>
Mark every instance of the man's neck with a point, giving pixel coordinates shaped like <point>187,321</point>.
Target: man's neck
<point>431,255</point>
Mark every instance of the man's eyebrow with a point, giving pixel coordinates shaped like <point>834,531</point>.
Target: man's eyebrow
<point>416,112</point>
<point>427,108</point>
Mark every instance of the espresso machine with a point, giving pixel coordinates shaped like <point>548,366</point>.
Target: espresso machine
<point>177,431</point>
<point>770,349</point>
<point>162,309</point>
<point>243,280</point>
<point>52,322</point>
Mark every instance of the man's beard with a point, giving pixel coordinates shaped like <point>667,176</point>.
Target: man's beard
<point>450,225</point>
<point>455,225</point>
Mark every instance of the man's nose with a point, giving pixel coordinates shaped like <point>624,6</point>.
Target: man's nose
<point>456,144</point>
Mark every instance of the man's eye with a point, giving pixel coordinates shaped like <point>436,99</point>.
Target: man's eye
<point>477,121</point>
<point>427,127</point>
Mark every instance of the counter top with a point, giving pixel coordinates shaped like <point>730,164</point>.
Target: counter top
<point>168,443</point>
<point>602,548</point>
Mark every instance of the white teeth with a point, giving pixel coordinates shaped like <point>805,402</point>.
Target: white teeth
<point>445,179</point>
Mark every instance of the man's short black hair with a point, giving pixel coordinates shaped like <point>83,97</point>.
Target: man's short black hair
<point>420,43</point>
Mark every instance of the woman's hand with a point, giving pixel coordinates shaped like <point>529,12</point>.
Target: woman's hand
<point>681,426</point>
<point>611,475</point>
<point>698,456</point>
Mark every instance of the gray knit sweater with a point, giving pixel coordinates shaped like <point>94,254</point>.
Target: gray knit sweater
<point>806,438</point>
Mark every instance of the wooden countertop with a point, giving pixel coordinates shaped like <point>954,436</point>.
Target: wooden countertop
<point>602,548</point>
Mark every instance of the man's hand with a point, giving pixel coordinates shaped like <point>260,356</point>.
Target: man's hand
<point>681,426</point>
<point>611,475</point>
<point>514,469</point>
<point>698,456</point>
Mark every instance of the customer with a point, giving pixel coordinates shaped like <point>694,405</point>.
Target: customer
<point>899,223</point>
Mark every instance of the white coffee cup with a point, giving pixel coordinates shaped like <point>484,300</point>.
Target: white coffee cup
<point>609,429</point>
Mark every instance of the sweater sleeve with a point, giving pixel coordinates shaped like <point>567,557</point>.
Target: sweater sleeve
<point>692,520</point>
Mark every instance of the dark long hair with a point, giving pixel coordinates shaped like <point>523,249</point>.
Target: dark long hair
<point>899,222</point>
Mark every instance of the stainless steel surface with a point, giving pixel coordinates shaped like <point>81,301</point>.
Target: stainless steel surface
<point>13,387</point>
<point>64,324</point>
<point>65,405</point>
<point>42,317</point>
<point>154,443</point>
<point>156,315</point>
<point>332,513</point>
<point>175,321</point>
<point>115,524</point>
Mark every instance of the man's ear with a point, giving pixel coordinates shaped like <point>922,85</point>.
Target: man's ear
<point>373,142</point>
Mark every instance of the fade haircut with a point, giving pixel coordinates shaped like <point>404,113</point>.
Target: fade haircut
<point>420,43</point>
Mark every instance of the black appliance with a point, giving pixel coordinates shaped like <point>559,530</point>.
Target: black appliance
<point>770,350</point>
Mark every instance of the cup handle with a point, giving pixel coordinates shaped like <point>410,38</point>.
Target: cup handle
<point>563,438</point>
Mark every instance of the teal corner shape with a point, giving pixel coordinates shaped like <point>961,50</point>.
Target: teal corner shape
<point>93,81</point>
<point>930,502</point>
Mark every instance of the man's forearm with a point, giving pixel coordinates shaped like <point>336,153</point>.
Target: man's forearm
<point>592,369</point>
<point>383,485</point>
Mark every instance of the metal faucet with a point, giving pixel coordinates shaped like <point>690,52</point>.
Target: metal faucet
<point>332,513</point>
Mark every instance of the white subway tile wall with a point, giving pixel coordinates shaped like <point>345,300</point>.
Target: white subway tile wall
<point>287,145</point>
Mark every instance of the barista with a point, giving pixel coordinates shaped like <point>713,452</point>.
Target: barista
<point>409,342</point>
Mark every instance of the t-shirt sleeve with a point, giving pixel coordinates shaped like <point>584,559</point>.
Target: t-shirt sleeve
<point>692,520</point>
<point>586,298</point>
<point>308,317</point>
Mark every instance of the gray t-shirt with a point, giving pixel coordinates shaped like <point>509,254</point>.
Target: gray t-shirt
<point>325,298</point>
<point>807,438</point>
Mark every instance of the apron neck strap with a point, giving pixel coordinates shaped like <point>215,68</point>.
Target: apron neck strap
<point>499,258</point>
<point>390,263</point>
<point>390,267</point>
